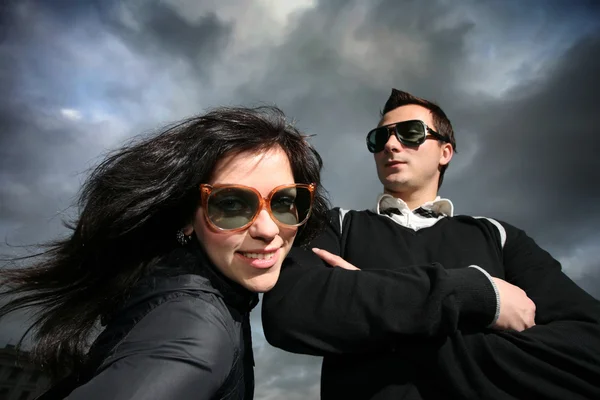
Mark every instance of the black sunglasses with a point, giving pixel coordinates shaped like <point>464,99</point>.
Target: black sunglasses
<point>410,133</point>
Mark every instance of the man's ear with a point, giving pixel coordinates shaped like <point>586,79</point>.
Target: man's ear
<point>446,154</point>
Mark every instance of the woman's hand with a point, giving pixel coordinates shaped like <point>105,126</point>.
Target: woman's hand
<point>333,260</point>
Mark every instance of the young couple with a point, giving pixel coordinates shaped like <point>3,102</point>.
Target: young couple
<point>178,232</point>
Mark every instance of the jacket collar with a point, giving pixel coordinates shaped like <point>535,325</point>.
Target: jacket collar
<point>189,269</point>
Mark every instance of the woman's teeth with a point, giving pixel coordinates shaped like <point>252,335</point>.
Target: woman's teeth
<point>260,256</point>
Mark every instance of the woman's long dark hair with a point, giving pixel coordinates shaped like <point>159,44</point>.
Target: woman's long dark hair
<point>130,209</point>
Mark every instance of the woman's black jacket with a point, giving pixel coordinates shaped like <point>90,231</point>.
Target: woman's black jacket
<point>183,333</point>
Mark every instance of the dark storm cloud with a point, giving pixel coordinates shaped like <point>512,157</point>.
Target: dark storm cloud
<point>42,153</point>
<point>283,375</point>
<point>37,147</point>
<point>160,31</point>
<point>538,166</point>
<point>27,137</point>
<point>153,28</point>
<point>20,168</point>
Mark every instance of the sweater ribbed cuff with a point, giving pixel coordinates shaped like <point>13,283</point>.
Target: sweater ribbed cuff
<point>487,275</point>
<point>476,295</point>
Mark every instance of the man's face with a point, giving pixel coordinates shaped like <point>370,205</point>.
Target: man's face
<point>404,169</point>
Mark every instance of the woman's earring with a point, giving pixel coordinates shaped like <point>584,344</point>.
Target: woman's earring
<point>182,238</point>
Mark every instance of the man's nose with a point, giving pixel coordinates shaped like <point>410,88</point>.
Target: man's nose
<point>392,145</point>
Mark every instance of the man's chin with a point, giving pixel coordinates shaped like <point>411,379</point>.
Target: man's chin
<point>396,185</point>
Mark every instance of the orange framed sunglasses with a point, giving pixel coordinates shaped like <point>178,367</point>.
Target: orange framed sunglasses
<point>233,208</point>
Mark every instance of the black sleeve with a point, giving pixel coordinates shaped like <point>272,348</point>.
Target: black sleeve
<point>559,358</point>
<point>180,350</point>
<point>315,309</point>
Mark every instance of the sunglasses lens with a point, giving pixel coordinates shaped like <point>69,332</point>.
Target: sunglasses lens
<point>411,132</point>
<point>291,205</point>
<point>232,208</point>
<point>376,139</point>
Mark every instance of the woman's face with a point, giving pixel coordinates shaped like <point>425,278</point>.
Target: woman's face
<point>254,256</point>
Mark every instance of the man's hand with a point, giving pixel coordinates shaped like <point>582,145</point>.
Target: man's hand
<point>333,260</point>
<point>517,311</point>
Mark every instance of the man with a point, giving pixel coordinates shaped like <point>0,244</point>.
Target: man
<point>429,305</point>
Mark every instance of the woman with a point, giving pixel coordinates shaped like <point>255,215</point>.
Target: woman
<point>176,236</point>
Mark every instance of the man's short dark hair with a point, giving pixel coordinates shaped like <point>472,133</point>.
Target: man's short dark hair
<point>398,98</point>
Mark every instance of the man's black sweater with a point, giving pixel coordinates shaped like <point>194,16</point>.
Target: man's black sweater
<point>412,324</point>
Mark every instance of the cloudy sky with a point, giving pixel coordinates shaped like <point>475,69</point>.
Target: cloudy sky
<point>519,80</point>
